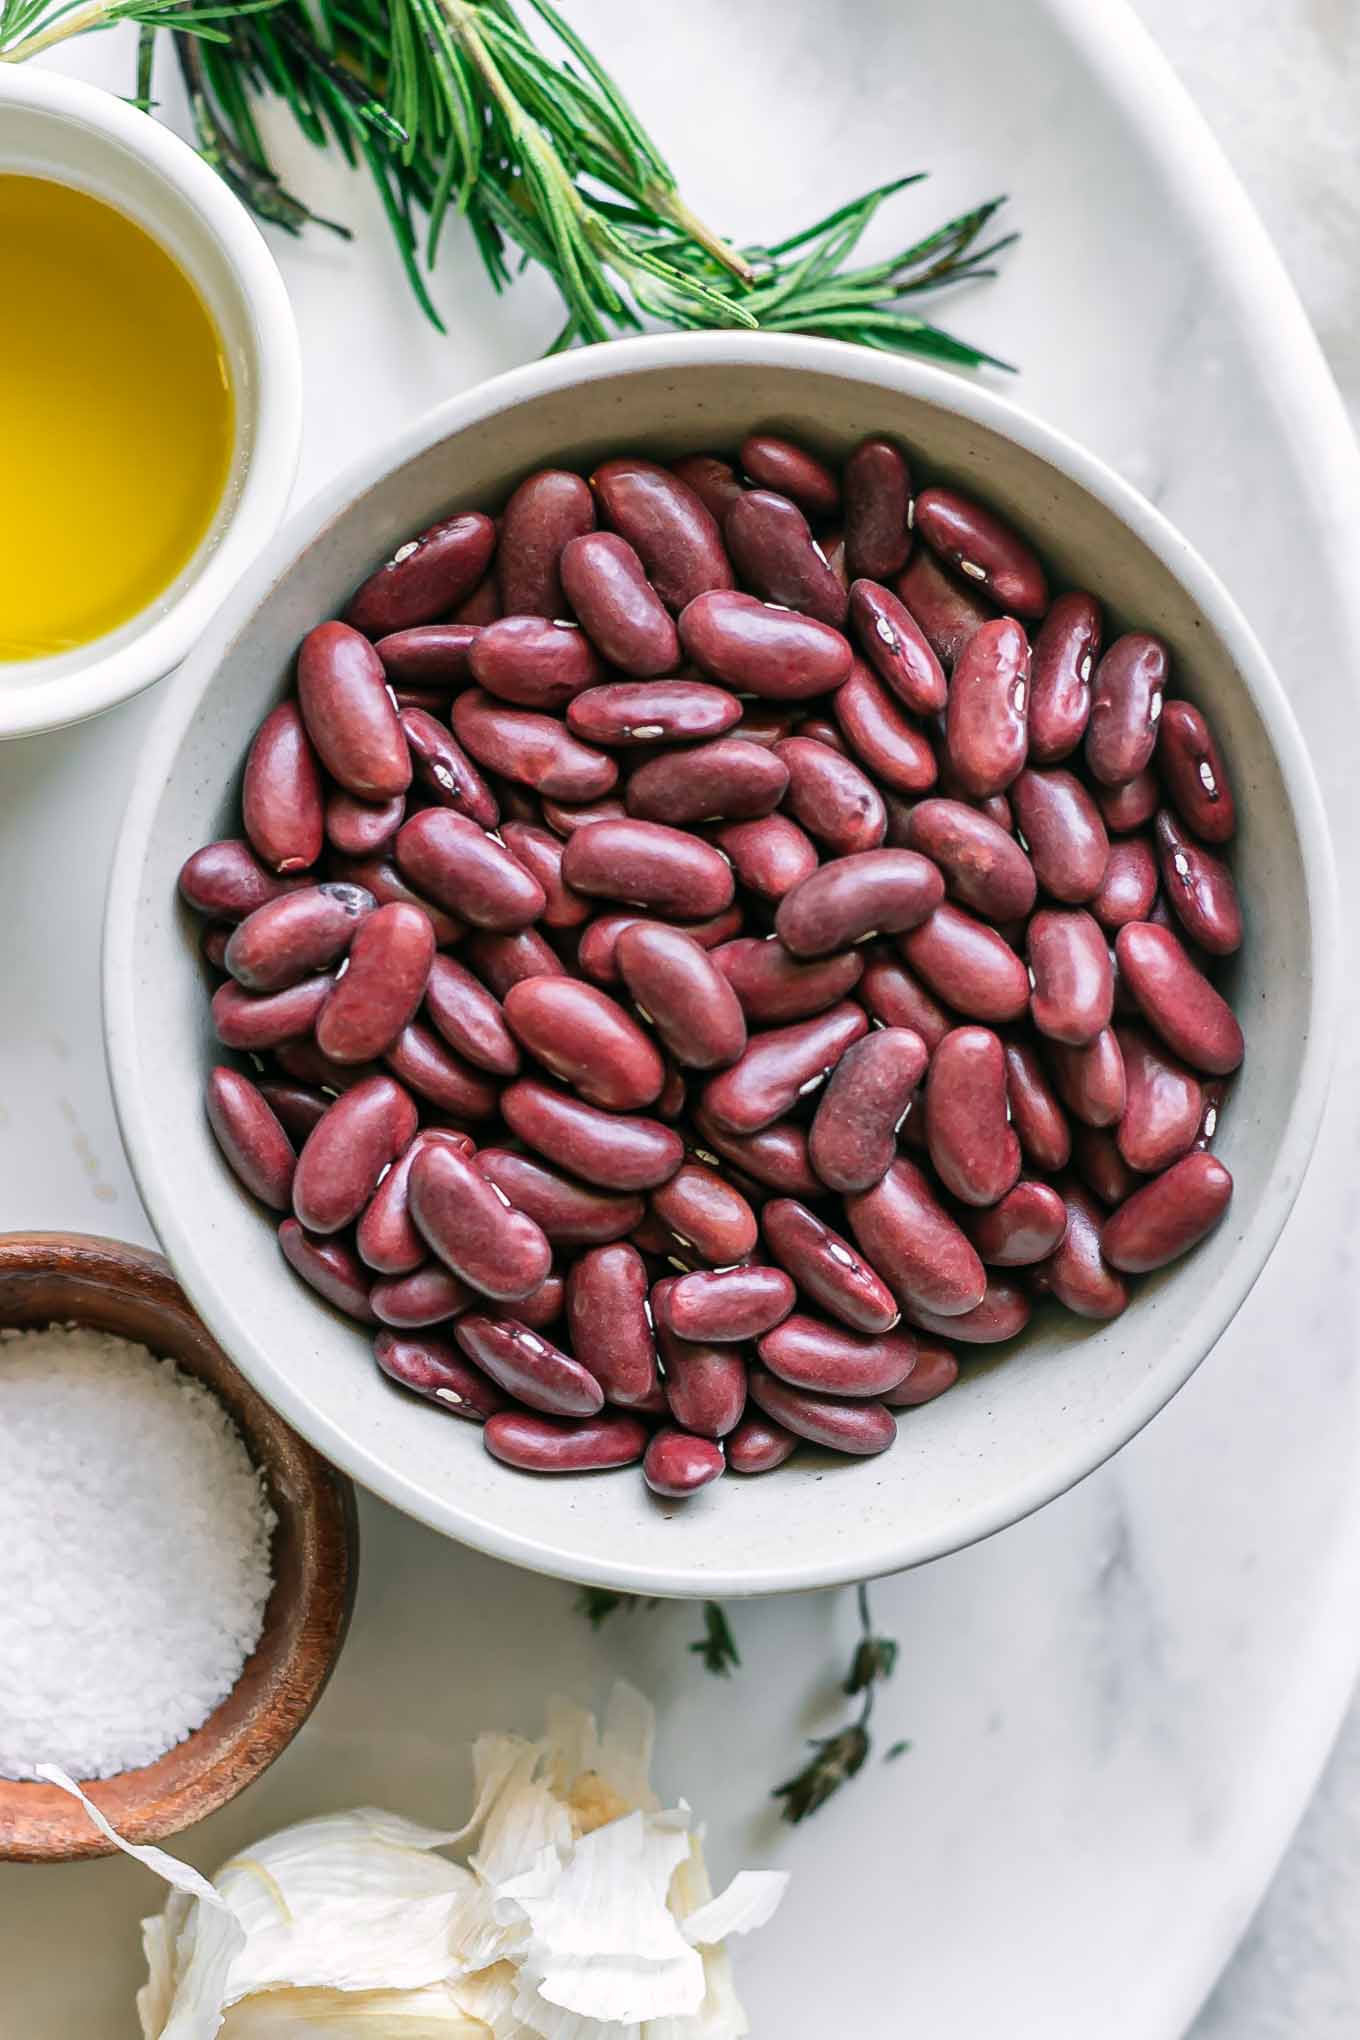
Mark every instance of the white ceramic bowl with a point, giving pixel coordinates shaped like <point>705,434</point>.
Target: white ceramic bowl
<point>54,127</point>
<point>1020,1427</point>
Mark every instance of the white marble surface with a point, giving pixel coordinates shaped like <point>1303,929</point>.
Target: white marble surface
<point>1117,1709</point>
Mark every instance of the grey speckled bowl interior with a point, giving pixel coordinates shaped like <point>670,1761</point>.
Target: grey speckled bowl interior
<point>1023,1424</point>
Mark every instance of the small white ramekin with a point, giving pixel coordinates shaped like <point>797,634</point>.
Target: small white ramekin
<point>54,127</point>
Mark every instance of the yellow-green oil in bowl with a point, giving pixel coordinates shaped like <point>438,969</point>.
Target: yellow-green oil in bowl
<point>117,418</point>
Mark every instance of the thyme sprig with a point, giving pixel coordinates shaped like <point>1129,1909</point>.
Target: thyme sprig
<point>836,1759</point>
<point>456,106</point>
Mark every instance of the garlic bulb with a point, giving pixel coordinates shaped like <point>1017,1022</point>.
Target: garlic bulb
<point>584,1912</point>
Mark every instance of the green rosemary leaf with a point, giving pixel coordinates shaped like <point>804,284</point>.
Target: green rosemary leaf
<point>642,144</point>
<point>717,1646</point>
<point>836,1760</point>
<point>896,1750</point>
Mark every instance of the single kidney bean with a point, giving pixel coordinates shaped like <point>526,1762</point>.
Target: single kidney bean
<point>827,1268</point>
<point>528,1366</point>
<point>470,1224</point>
<point>1038,1119</point>
<point>435,1369</point>
<point>361,828</point>
<point>1194,774</point>
<point>967,1119</point>
<point>380,988</point>
<point>677,1464</point>
<point>774,463</point>
<point>1129,887</point>
<point>386,1236</point>
<point>618,607</point>
<point>534,750</point>
<point>1065,651</point>
<point>780,1066</point>
<point>923,1256</point>
<point>1073,995</point>
<point>429,1295</point>
<point>1126,702</point>
<point>666,523</point>
<point>545,512</point>
<point>1090,1079</point>
<point>425,577</point>
<point>255,1020</point>
<point>1163,1103</point>
<point>597,945</point>
<point>330,1268</point>
<point>349,714</point>
<point>1023,1227</point>
<point>1168,1216</point>
<point>936,1370</point>
<point>422,1062</point>
<point>504,960</point>
<point>890,992</point>
<point>444,770</point>
<point>565,818</point>
<point>303,1060</point>
<point>538,1444</point>
<point>532,662</point>
<point>984,547</point>
<point>830,796</point>
<point>435,655</point>
<point>379,876</point>
<point>470,1018</point>
<point>895,645</point>
<point>947,610</point>
<point>344,1157</point>
<point>759,649</point>
<point>728,780</point>
<point>540,852</point>
<point>862,1427</point>
<point>1062,831</point>
<point>1177,1001</point>
<point>585,1038</point>
<point>1002,1314</point>
<point>1101,1167</point>
<point>987,720</point>
<point>250,1136</point>
<point>640,712</point>
<point>758,1446</point>
<point>774,553</point>
<point>714,482</point>
<point>854,1131</point>
<point>881,736</point>
<point>701,1212</point>
<point>969,965</point>
<point>281,799</point>
<point>297,1107</point>
<point>1200,888</point>
<point>769,855</point>
<point>465,870</point>
<point>228,881</point>
<point>876,484</point>
<point>680,988</point>
<point>615,1151</point>
<point>287,939</point>
<point>807,1352</point>
<point>855,897</point>
<point>610,1325</point>
<point>776,1158</point>
<point>773,986</point>
<point>650,866</point>
<point>983,866</point>
<point>570,1213</point>
<point>1077,1273</point>
<point>725,1306</point>
<point>704,1385</point>
<point>1130,806</point>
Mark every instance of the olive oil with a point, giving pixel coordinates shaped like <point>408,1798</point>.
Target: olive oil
<point>116,418</point>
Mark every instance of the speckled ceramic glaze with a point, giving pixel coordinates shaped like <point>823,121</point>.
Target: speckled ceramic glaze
<point>1020,1427</point>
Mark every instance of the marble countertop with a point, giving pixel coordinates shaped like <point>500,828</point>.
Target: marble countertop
<point>1277,83</point>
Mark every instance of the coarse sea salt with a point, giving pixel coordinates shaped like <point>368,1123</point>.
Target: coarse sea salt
<point>134,1553</point>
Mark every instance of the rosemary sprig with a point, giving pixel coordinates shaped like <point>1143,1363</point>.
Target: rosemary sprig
<point>836,1759</point>
<point>457,106</point>
<point>717,1647</point>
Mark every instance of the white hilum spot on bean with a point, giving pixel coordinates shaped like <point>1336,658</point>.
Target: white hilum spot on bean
<point>1154,708</point>
<point>647,731</point>
<point>341,972</point>
<point>911,513</point>
<point>647,1312</point>
<point>1210,1122</point>
<point>1181,864</point>
<point>1019,698</point>
<point>1084,673</point>
<point>804,1090</point>
<point>391,694</point>
<point>820,554</point>
<point>449,1395</point>
<point>902,1117</point>
<point>403,552</point>
<point>443,777</point>
<point>883,629</point>
<point>703,1155</point>
<point>1020,839</point>
<point>534,1345</point>
<point>643,1014</point>
<point>869,935</point>
<point>501,1194</point>
<point>385,1173</point>
<point>973,570</point>
<point>839,1253</point>
<point>562,623</point>
<point>1207,780</point>
<point>1030,975</point>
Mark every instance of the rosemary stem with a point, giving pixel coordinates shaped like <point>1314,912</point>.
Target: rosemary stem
<point>79,22</point>
<point>666,200</point>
